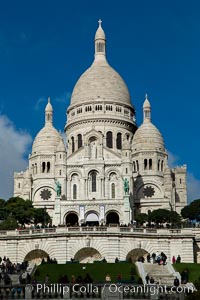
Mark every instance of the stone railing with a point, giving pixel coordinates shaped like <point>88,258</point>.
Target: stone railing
<point>87,291</point>
<point>97,230</point>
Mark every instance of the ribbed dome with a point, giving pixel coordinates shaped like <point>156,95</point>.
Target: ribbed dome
<point>148,137</point>
<point>46,140</point>
<point>100,82</point>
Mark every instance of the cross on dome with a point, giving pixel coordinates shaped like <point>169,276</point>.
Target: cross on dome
<point>100,21</point>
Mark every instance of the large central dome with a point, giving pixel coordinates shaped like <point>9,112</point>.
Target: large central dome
<point>100,81</point>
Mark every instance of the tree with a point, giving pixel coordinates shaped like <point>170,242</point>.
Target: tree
<point>3,214</point>
<point>9,224</point>
<point>41,216</point>
<point>141,218</point>
<point>21,210</point>
<point>161,215</point>
<point>192,211</point>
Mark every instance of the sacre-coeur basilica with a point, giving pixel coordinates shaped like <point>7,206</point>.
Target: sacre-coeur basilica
<point>110,169</point>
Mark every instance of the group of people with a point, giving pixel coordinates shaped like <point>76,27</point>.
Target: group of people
<point>176,260</point>
<point>158,257</point>
<point>49,260</point>
<point>63,279</point>
<point>6,266</point>
<point>150,280</point>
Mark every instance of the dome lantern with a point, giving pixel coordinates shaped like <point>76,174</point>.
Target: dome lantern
<point>48,113</point>
<point>100,43</point>
<point>146,110</point>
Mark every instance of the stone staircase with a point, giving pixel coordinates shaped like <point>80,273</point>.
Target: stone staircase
<point>160,273</point>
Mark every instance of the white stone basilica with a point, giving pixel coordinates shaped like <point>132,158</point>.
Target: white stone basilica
<point>105,151</point>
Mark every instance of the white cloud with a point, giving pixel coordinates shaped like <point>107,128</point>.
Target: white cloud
<point>63,98</point>
<point>38,103</point>
<point>172,159</point>
<point>193,187</point>
<point>13,146</point>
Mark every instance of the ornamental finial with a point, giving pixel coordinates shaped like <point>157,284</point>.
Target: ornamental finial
<point>100,21</point>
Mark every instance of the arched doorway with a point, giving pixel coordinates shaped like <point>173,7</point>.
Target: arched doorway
<point>112,218</point>
<point>135,254</point>
<point>71,219</point>
<point>36,256</point>
<point>87,255</point>
<point>92,219</point>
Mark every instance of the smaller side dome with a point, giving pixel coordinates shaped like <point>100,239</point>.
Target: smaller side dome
<point>147,136</point>
<point>61,146</point>
<point>48,138</point>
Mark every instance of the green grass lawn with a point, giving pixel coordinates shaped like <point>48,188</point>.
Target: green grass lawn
<point>97,271</point>
<point>194,270</point>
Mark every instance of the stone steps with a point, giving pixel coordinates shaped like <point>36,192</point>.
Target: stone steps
<point>159,273</point>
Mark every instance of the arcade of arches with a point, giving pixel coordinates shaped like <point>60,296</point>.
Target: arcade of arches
<point>92,219</point>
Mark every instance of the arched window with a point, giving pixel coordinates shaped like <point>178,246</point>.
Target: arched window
<point>35,168</point>
<point>145,164</point>
<point>113,191</point>
<point>94,181</point>
<point>79,141</point>
<point>134,167</point>
<point>150,164</point>
<point>159,165</point>
<point>43,167</point>
<point>48,167</point>
<point>100,47</point>
<point>74,191</point>
<point>119,141</point>
<point>109,139</point>
<point>137,163</point>
<point>60,172</point>
<point>73,145</point>
<point>162,164</point>
<point>19,185</point>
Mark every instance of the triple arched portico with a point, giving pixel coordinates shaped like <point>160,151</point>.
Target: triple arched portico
<point>91,218</point>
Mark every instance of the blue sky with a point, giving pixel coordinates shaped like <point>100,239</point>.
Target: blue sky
<point>46,45</point>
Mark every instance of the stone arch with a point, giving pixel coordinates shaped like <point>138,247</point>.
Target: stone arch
<point>71,218</point>
<point>135,254</point>
<point>36,256</point>
<point>87,255</point>
<point>40,186</point>
<point>112,170</point>
<point>44,193</point>
<point>92,218</point>
<point>73,172</point>
<point>112,217</point>
<point>156,190</point>
<point>27,246</point>
<point>93,133</point>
